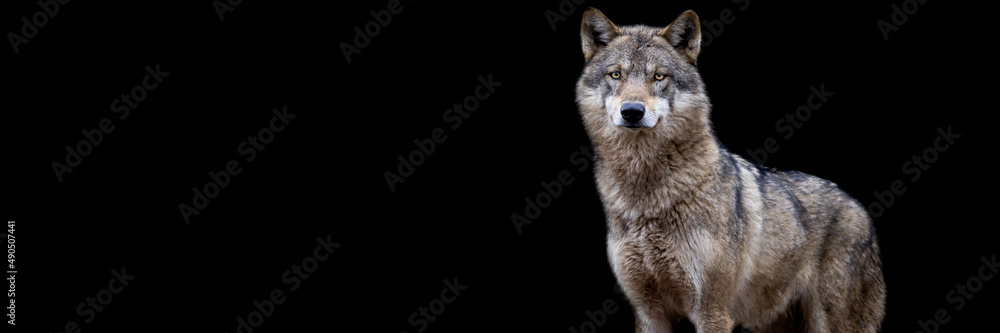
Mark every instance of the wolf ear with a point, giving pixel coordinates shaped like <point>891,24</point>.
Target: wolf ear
<point>684,34</point>
<point>596,31</point>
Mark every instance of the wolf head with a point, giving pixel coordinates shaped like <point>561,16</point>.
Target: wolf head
<point>641,80</point>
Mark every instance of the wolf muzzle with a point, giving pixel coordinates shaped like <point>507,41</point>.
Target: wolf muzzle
<point>632,114</point>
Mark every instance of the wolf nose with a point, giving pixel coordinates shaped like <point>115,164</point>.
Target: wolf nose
<point>633,112</point>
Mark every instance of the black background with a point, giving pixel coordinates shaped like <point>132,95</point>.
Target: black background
<point>324,173</point>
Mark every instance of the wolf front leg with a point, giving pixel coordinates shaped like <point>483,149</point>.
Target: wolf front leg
<point>713,319</point>
<point>648,322</point>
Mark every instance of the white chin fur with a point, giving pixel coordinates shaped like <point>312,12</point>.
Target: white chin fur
<point>647,122</point>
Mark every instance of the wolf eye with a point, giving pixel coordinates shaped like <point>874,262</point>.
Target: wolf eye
<point>659,77</point>
<point>616,75</point>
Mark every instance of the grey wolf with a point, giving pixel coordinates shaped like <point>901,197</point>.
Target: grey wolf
<point>698,233</point>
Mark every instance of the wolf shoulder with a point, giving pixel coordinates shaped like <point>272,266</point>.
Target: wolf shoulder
<point>807,196</point>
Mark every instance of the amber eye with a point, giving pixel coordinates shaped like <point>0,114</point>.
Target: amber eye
<point>659,77</point>
<point>616,75</point>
